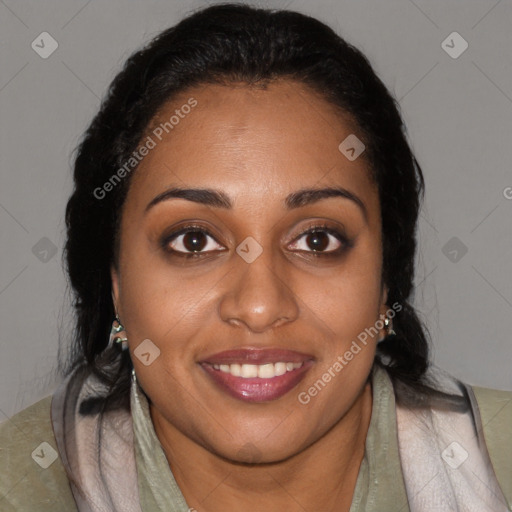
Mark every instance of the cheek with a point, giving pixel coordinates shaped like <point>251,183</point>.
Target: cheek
<point>159,303</point>
<point>348,301</point>
<point>164,303</point>
<point>345,310</point>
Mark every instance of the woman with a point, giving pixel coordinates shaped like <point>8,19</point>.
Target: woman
<point>241,244</point>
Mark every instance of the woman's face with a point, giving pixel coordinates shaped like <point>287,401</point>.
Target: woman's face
<point>232,328</point>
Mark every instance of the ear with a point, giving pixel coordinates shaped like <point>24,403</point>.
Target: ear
<point>115,287</point>
<point>384,295</point>
<point>383,309</point>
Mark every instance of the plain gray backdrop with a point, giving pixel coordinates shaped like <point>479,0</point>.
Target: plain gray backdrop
<point>456,103</point>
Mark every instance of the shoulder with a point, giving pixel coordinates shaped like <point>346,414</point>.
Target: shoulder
<point>495,410</point>
<point>32,476</point>
<point>494,399</point>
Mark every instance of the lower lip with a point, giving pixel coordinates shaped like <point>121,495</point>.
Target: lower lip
<point>256,389</point>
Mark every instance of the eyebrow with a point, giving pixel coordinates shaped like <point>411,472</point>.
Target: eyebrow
<point>219,199</point>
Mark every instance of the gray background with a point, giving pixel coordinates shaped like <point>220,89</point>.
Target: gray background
<point>459,117</point>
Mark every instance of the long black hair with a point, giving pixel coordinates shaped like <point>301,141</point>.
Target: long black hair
<point>223,44</point>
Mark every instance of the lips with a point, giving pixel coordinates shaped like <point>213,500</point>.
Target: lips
<point>257,356</point>
<point>257,375</point>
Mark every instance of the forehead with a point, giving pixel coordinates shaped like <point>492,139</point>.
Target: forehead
<point>250,141</point>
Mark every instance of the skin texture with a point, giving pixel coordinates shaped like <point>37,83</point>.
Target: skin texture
<point>256,145</point>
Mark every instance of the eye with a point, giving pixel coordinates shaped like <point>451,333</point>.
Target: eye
<point>320,240</point>
<point>194,241</point>
<point>191,241</point>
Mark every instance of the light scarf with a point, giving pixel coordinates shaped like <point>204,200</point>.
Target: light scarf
<point>445,463</point>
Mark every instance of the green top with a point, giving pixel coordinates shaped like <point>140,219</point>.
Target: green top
<point>26,485</point>
<point>379,484</point>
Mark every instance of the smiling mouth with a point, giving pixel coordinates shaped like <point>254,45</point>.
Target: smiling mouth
<point>262,371</point>
<point>257,375</point>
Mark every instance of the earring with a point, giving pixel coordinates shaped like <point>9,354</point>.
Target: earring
<point>389,329</point>
<point>118,335</point>
<point>389,326</point>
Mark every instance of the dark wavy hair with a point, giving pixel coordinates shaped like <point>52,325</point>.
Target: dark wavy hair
<point>224,44</point>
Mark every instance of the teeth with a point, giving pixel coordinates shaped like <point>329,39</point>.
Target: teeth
<point>279,369</point>
<point>248,371</point>
<point>235,369</point>
<point>266,371</point>
<point>262,371</point>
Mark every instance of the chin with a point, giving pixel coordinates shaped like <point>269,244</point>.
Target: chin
<point>259,452</point>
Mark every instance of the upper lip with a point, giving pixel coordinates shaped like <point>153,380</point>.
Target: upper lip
<point>257,356</point>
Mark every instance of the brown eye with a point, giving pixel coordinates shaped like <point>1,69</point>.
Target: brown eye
<point>194,241</point>
<point>317,241</point>
<point>189,241</point>
<point>320,240</point>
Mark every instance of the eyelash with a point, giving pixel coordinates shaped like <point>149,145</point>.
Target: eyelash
<point>321,227</point>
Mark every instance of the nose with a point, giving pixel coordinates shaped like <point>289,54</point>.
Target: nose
<point>259,296</point>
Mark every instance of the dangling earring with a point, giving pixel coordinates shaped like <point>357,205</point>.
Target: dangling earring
<point>118,335</point>
<point>389,327</point>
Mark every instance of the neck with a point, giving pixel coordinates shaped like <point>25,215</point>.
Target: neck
<point>321,477</point>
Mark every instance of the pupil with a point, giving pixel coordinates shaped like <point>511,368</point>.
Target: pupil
<point>194,240</point>
<point>317,240</point>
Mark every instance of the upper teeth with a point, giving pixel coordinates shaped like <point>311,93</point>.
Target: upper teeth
<point>263,371</point>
